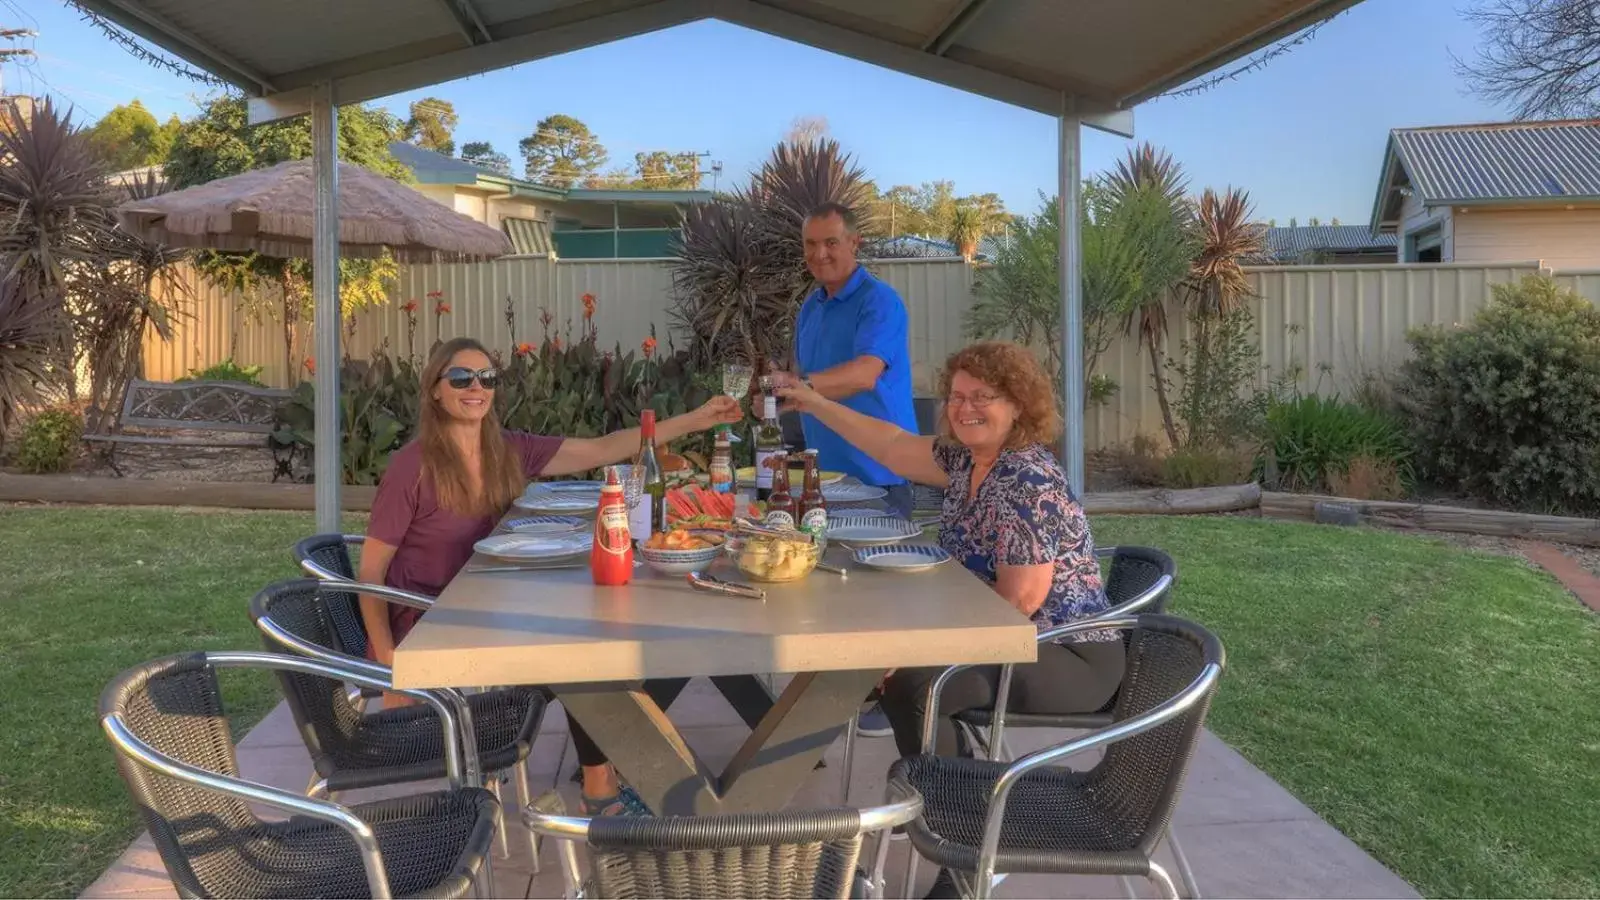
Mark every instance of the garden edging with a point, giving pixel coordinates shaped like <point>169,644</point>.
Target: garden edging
<point>1420,516</point>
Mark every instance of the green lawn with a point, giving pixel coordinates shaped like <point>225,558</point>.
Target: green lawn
<point>1436,706</point>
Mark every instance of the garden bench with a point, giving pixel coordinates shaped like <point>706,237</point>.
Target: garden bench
<point>216,406</point>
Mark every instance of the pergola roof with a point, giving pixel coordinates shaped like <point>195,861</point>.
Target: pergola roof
<point>1105,55</point>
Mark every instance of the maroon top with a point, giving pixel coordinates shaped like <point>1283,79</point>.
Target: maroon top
<point>432,543</point>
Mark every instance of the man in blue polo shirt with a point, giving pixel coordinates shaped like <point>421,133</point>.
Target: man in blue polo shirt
<point>851,345</point>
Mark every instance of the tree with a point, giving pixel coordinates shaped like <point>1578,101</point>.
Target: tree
<point>219,142</point>
<point>662,171</point>
<point>561,152</point>
<point>482,153</point>
<point>1541,58</point>
<point>128,137</point>
<point>966,230</point>
<point>432,125</point>
<point>806,129</point>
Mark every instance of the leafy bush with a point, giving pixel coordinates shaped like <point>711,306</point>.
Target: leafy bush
<point>227,370</point>
<point>1507,408</point>
<point>1217,406</point>
<point>49,441</point>
<point>1311,440</point>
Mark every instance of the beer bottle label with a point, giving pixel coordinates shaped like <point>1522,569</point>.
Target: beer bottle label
<point>815,521</point>
<point>779,519</point>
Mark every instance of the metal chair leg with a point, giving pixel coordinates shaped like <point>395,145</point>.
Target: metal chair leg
<point>849,760</point>
<point>1163,882</point>
<point>492,782</point>
<point>879,863</point>
<point>1191,888</point>
<point>318,787</point>
<point>525,799</point>
<point>910,884</point>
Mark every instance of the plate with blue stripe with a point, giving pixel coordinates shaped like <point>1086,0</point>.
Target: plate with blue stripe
<point>902,557</point>
<point>545,524</point>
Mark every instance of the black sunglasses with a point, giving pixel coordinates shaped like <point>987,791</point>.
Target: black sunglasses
<point>460,377</point>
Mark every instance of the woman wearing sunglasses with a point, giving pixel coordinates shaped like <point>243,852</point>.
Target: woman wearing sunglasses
<point>444,492</point>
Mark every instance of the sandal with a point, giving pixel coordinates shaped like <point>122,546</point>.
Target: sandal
<point>626,802</point>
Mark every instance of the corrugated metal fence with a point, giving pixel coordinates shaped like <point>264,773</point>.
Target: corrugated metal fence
<point>1329,325</point>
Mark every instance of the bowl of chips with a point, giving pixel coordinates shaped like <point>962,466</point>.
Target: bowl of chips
<point>774,559</point>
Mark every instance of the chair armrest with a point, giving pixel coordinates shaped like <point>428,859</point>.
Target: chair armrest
<point>315,570</point>
<point>327,664</point>
<point>1166,711</point>
<point>1140,602</point>
<point>1105,552</point>
<point>384,592</point>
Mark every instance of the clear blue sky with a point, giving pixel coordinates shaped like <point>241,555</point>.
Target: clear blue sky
<point>1304,136</point>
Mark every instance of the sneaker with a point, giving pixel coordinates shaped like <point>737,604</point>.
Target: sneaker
<point>873,723</point>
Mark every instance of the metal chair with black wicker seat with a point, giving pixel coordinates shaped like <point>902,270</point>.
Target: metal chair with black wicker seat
<point>166,722</point>
<point>790,853</point>
<point>351,748</point>
<point>986,817</point>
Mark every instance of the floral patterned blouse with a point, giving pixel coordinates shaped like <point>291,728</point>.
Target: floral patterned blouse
<point>1023,515</point>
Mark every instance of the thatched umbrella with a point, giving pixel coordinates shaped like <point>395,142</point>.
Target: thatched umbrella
<point>270,211</point>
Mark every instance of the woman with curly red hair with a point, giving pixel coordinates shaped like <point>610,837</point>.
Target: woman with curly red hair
<point>1011,518</point>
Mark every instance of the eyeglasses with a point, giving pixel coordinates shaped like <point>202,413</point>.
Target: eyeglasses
<point>976,401</point>
<point>461,377</point>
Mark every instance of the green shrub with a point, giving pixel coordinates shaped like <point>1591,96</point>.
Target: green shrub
<point>1311,442</point>
<point>1193,467</point>
<point>49,441</point>
<point>227,370</point>
<point>1507,408</point>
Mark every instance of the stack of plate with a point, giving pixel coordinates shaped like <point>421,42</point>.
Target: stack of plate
<point>847,492</point>
<point>902,557</point>
<point>561,498</point>
<point>545,525</point>
<point>868,531</point>
<point>536,548</point>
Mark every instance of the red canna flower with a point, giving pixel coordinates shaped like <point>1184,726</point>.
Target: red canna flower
<point>311,364</point>
<point>588,307</point>
<point>649,347</point>
<point>434,295</point>
<point>441,308</point>
<point>524,348</point>
<point>410,307</point>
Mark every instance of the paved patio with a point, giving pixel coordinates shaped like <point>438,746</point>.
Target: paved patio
<point>1244,835</point>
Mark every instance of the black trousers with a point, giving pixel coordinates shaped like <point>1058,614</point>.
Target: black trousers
<point>1067,678</point>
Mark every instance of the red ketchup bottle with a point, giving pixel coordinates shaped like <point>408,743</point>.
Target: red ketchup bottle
<point>611,557</point>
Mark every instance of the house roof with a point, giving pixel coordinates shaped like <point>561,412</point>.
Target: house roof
<point>430,167</point>
<point>1101,58</point>
<point>1291,244</point>
<point>1516,162</point>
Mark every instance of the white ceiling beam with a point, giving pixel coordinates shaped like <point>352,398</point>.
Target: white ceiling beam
<point>467,21</point>
<point>520,41</point>
<point>959,20</point>
<point>133,16</point>
<point>1245,44</point>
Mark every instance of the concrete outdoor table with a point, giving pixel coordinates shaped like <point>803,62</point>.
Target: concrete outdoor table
<point>593,646</point>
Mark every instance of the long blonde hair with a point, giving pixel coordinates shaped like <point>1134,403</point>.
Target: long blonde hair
<point>442,465</point>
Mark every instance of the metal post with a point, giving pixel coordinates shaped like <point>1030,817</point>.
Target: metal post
<point>616,232</point>
<point>1072,293</point>
<point>325,321</point>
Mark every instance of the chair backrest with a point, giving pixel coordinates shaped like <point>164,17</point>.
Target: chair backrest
<point>1135,570</point>
<point>323,710</point>
<point>792,854</point>
<point>175,706</point>
<point>1142,775</point>
<point>331,552</point>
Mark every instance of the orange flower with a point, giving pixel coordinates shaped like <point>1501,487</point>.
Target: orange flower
<point>311,364</point>
<point>556,343</point>
<point>588,306</point>
<point>434,295</point>
<point>649,347</point>
<point>410,307</point>
<point>441,308</point>
<point>524,348</point>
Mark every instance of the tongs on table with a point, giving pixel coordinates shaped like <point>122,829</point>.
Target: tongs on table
<point>702,581</point>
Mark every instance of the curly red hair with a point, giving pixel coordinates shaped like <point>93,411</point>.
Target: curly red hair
<point>1016,375</point>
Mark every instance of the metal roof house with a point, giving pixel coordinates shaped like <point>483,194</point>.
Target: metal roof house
<point>576,223</point>
<point>1325,245</point>
<point>1493,193</point>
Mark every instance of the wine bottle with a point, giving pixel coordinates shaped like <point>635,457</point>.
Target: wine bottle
<point>648,514</point>
<point>769,446</point>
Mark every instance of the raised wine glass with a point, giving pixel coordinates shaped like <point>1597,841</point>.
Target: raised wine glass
<point>735,384</point>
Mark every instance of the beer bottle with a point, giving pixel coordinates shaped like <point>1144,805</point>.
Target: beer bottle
<point>813,508</point>
<point>780,503</point>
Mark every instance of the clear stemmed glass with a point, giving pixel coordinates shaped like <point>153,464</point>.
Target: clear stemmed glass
<point>735,384</point>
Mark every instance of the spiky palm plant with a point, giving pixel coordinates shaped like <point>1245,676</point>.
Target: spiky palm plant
<point>966,230</point>
<point>740,272</point>
<point>31,335</point>
<point>1217,284</point>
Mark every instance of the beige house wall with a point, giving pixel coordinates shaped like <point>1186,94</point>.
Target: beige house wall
<point>1561,238</point>
<point>1326,327</point>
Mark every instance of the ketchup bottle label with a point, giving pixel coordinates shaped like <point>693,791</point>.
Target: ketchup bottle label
<point>614,536</point>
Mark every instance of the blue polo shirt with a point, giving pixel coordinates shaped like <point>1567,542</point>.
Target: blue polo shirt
<point>866,318</point>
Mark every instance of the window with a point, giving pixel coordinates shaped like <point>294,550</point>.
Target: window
<point>1425,245</point>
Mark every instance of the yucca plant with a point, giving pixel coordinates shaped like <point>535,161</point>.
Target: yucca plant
<point>30,340</point>
<point>740,273</point>
<point>1217,284</point>
<point>966,230</point>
